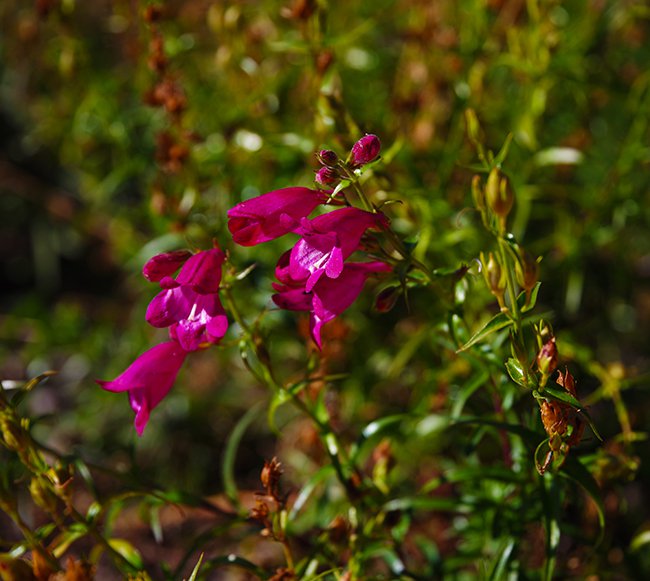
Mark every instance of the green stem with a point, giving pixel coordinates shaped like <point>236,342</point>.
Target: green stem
<point>512,289</point>
<point>268,379</point>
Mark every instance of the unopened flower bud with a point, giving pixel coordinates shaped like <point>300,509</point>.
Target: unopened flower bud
<point>547,358</point>
<point>473,126</point>
<point>478,194</point>
<point>499,195</point>
<point>365,150</point>
<point>327,157</point>
<point>387,298</point>
<point>326,176</point>
<point>43,496</point>
<point>527,272</point>
<point>338,530</point>
<point>12,433</point>
<point>495,278</point>
<point>165,264</point>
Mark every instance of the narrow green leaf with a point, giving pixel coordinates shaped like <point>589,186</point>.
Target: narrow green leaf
<point>516,371</point>
<point>128,551</point>
<point>560,395</point>
<point>234,561</point>
<point>32,383</point>
<point>503,152</point>
<point>230,453</point>
<point>309,488</point>
<point>29,385</point>
<point>525,434</point>
<point>643,538</point>
<point>501,564</point>
<point>466,391</point>
<point>497,323</point>
<point>341,186</point>
<point>426,503</point>
<point>63,541</point>
<point>195,571</point>
<point>280,397</point>
<point>533,299</point>
<point>577,472</point>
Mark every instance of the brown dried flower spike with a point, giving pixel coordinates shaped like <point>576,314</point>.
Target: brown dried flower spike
<point>270,478</point>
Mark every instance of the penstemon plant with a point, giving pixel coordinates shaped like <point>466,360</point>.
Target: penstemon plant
<point>515,349</point>
<point>377,356</point>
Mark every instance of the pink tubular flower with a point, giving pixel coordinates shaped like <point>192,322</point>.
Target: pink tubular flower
<point>190,305</point>
<point>365,150</point>
<point>272,215</point>
<point>148,379</point>
<point>327,241</point>
<point>329,298</point>
<point>163,265</point>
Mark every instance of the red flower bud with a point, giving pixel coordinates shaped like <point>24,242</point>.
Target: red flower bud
<point>163,265</point>
<point>327,157</point>
<point>325,176</point>
<point>547,357</point>
<point>366,149</point>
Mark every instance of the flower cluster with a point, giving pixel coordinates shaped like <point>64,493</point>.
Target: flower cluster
<point>314,276</point>
<point>363,152</point>
<point>189,307</point>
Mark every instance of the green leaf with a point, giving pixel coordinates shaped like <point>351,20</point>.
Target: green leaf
<point>497,323</point>
<point>516,372</point>
<point>341,186</point>
<point>234,561</point>
<point>525,434</point>
<point>466,391</point>
<point>280,397</point>
<point>427,503</point>
<point>128,551</point>
<point>559,395</point>
<point>195,571</point>
<point>577,472</point>
<point>309,488</point>
<point>533,299</point>
<point>503,152</point>
<point>643,538</point>
<point>503,556</point>
<point>29,385</point>
<point>63,541</point>
<point>230,453</point>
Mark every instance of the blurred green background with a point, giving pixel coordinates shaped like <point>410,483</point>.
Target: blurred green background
<point>125,131</point>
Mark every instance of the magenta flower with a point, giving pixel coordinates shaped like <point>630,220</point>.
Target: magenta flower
<point>163,265</point>
<point>272,215</point>
<point>329,297</point>
<point>327,241</point>
<point>190,305</point>
<point>148,379</point>
<point>365,150</point>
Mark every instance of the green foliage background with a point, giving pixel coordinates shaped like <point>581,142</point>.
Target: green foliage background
<point>86,199</point>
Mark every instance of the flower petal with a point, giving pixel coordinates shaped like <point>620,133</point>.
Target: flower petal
<point>165,264</point>
<point>202,271</point>
<point>148,379</point>
<point>271,215</point>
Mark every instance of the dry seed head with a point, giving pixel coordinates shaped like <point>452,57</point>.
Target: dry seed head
<point>270,477</point>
